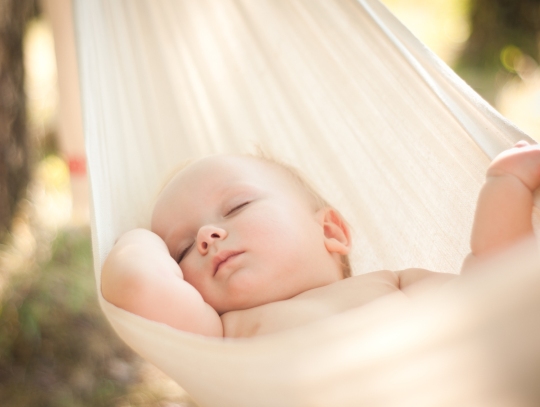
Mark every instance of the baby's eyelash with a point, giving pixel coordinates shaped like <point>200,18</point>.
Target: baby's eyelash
<point>184,252</point>
<point>238,207</point>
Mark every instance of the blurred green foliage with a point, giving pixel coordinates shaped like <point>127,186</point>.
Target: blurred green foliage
<point>56,349</point>
<point>503,33</point>
<point>497,24</point>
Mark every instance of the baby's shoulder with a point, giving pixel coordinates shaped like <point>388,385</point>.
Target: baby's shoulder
<point>405,280</point>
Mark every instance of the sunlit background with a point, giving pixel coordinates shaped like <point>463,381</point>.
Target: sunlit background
<point>55,347</point>
<point>511,84</point>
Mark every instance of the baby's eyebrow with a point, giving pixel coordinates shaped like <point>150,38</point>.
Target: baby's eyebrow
<point>242,187</point>
<point>233,191</point>
<point>239,193</point>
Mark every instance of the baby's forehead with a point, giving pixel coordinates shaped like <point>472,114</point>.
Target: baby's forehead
<point>215,177</point>
<point>231,167</point>
<point>223,171</point>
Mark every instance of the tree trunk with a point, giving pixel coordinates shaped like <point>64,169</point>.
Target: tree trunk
<point>14,142</point>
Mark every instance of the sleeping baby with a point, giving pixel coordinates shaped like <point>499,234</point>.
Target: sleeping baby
<point>242,246</point>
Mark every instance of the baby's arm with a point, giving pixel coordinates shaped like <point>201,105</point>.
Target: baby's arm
<point>504,207</point>
<point>141,277</point>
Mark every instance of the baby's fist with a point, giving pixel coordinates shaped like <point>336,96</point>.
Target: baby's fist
<point>521,161</point>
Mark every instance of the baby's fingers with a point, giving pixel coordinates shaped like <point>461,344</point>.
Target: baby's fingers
<point>521,161</point>
<point>521,143</point>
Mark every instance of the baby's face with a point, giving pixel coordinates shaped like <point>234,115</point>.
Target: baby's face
<point>243,233</point>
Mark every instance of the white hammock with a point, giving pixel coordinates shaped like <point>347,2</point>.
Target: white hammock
<point>338,88</point>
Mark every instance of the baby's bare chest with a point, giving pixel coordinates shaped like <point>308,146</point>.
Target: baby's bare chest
<point>312,305</point>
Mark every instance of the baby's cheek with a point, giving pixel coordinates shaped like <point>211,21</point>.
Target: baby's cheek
<point>259,227</point>
<point>252,287</point>
<point>192,277</point>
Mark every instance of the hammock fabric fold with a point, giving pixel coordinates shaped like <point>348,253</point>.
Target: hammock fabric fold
<point>340,89</point>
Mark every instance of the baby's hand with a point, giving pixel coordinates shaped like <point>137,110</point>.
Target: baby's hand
<point>141,277</point>
<point>521,161</point>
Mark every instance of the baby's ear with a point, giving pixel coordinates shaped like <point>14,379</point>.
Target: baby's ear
<point>337,237</point>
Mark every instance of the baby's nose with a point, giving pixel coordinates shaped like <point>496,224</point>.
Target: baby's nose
<point>207,236</point>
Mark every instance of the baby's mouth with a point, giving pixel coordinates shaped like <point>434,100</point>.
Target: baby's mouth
<point>222,259</point>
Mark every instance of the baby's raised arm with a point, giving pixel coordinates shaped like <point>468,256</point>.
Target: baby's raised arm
<point>141,277</point>
<point>504,207</point>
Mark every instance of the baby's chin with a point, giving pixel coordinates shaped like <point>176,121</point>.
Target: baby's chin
<point>251,300</point>
<point>244,300</point>
<point>245,292</point>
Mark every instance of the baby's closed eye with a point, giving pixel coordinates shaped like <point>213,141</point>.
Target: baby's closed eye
<point>237,208</point>
<point>184,253</point>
